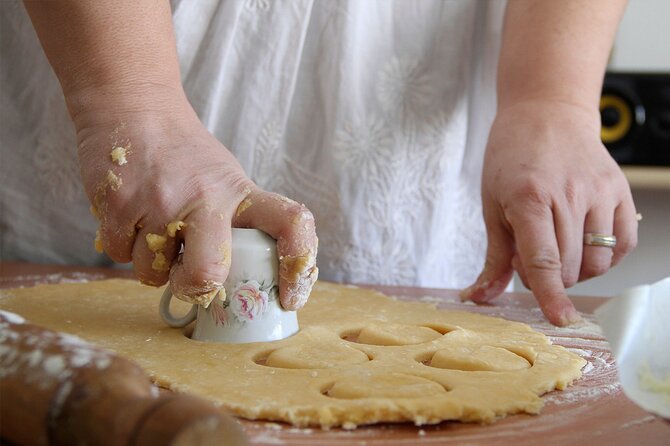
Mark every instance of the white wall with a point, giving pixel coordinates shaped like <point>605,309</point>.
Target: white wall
<point>643,40</point>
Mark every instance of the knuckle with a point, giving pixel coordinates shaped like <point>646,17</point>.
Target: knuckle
<point>206,274</point>
<point>301,216</point>
<point>490,262</point>
<point>571,192</point>
<point>533,193</point>
<point>117,242</point>
<point>626,244</point>
<point>544,260</point>
<point>196,188</point>
<point>161,200</point>
<point>147,276</point>
<point>570,277</point>
<point>596,267</point>
<point>299,220</point>
<point>531,198</point>
<point>242,184</point>
<point>117,253</point>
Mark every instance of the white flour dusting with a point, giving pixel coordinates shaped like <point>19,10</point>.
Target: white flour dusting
<point>55,365</point>
<point>12,318</point>
<point>266,438</point>
<point>599,376</point>
<point>37,279</point>
<point>638,422</point>
<point>27,356</point>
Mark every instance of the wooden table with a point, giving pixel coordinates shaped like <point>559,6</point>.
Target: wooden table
<point>594,411</point>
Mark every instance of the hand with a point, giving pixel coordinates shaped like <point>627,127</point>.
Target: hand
<point>168,182</point>
<point>547,180</point>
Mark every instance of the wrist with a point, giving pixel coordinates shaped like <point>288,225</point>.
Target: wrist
<point>557,110</point>
<point>543,121</point>
<point>98,106</point>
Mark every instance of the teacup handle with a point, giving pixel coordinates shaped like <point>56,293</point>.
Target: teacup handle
<point>172,321</point>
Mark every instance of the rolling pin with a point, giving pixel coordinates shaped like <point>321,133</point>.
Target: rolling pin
<point>57,389</point>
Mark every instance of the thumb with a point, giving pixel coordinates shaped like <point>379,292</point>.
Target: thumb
<point>292,225</point>
<point>497,271</point>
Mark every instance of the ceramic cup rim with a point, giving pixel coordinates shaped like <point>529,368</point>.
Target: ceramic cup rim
<point>261,242</point>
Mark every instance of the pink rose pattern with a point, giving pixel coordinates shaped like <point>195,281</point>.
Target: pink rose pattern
<point>248,302</point>
<point>219,313</point>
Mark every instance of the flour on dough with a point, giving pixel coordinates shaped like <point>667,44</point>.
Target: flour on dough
<point>359,357</point>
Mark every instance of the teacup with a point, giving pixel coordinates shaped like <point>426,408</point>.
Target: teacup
<point>251,311</point>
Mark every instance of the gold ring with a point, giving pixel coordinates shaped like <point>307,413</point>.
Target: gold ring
<point>608,241</point>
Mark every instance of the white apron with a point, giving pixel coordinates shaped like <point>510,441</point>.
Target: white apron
<point>375,114</point>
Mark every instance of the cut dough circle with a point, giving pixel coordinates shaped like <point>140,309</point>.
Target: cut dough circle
<point>319,379</point>
<point>315,356</point>
<point>478,358</point>
<point>393,385</point>
<point>381,333</point>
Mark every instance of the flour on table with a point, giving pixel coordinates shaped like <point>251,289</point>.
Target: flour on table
<point>345,367</point>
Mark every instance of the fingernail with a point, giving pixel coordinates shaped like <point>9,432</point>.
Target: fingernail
<point>466,293</point>
<point>298,292</point>
<point>477,292</point>
<point>570,316</point>
<point>200,295</point>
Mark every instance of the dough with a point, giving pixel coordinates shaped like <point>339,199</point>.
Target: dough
<point>359,358</point>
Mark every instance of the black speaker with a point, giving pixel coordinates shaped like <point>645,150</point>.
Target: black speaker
<point>635,115</point>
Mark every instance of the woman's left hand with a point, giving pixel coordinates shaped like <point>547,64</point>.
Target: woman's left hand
<point>548,180</point>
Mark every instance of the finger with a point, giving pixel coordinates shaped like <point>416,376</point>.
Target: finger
<point>153,253</point>
<point>625,229</point>
<point>569,235</point>
<point>596,260</point>
<point>116,234</point>
<point>117,231</point>
<point>538,250</point>
<point>497,271</point>
<point>518,267</point>
<point>118,239</point>
<point>292,225</point>
<point>199,274</point>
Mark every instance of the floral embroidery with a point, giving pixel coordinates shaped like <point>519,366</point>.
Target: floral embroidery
<point>319,121</point>
<point>360,145</point>
<point>257,4</point>
<point>404,85</point>
<point>404,151</point>
<point>55,156</point>
<point>273,170</point>
<point>267,161</point>
<point>58,173</point>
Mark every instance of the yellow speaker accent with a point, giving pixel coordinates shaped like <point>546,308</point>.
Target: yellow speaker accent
<point>618,130</point>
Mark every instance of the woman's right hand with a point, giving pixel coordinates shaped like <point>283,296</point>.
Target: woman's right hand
<point>157,178</point>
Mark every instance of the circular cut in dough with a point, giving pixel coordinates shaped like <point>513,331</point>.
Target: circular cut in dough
<point>391,385</point>
<point>360,391</point>
<point>315,356</point>
<point>478,358</point>
<point>377,333</point>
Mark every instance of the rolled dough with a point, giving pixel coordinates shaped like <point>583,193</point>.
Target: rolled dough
<point>359,357</point>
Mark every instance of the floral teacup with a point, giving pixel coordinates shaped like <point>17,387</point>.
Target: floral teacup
<point>251,311</point>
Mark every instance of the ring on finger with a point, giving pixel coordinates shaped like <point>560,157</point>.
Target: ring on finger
<point>595,239</point>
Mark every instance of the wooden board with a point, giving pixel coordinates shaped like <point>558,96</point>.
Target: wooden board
<point>593,411</point>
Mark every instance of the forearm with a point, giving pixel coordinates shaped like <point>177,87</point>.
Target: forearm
<point>110,57</point>
<point>556,50</point>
